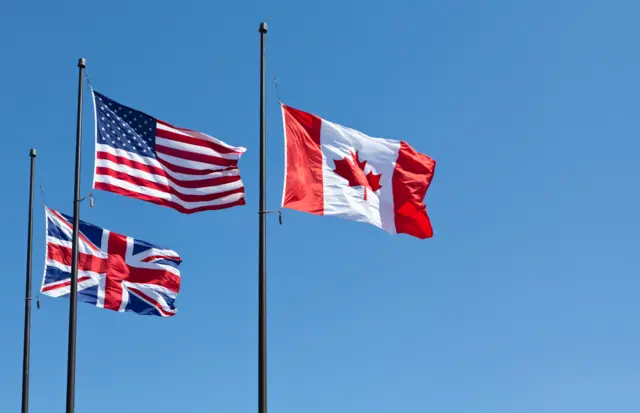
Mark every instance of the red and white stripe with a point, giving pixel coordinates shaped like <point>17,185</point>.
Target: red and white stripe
<point>193,171</point>
<point>313,149</point>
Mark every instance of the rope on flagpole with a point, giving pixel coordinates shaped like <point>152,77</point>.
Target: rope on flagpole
<point>44,206</point>
<point>90,196</point>
<point>86,75</point>
<point>275,82</point>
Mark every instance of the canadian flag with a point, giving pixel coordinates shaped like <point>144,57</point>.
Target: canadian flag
<point>334,170</point>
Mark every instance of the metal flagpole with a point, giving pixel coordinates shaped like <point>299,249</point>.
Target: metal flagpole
<point>73,298</point>
<point>26,352</point>
<point>262,273</point>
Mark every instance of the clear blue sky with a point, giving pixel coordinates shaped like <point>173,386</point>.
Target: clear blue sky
<point>526,299</point>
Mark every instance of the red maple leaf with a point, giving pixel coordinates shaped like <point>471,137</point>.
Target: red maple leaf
<point>354,173</point>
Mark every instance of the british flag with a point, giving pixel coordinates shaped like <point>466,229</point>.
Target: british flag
<point>115,272</point>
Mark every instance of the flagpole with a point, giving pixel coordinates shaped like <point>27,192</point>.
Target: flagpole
<point>26,352</point>
<point>71,356</point>
<point>262,273</point>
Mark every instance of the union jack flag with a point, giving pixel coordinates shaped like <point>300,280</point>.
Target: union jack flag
<point>115,272</point>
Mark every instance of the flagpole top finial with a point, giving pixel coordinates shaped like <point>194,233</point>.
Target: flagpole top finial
<point>82,62</point>
<point>32,153</point>
<point>263,27</point>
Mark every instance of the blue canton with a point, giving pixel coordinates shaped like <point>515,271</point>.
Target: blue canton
<point>124,128</point>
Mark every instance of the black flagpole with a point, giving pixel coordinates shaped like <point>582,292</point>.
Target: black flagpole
<point>27,303</point>
<point>262,300</point>
<point>73,297</point>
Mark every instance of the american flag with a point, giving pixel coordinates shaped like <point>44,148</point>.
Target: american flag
<point>115,272</point>
<point>142,157</point>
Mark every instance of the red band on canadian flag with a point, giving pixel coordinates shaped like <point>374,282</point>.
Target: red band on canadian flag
<point>303,162</point>
<point>334,170</point>
<point>411,179</point>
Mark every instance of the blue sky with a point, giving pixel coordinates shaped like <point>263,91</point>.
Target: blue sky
<point>526,299</point>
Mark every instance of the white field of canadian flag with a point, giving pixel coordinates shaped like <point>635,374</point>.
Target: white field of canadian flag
<point>334,170</point>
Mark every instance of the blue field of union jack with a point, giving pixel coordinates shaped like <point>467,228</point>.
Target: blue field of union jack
<point>115,272</point>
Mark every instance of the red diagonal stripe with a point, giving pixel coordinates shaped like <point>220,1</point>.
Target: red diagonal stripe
<point>156,304</point>
<point>90,244</point>
<point>64,284</point>
<point>86,262</point>
<point>163,278</point>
